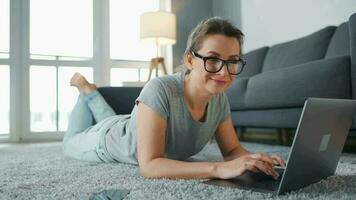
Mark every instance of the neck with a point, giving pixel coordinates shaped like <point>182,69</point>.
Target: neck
<point>196,98</point>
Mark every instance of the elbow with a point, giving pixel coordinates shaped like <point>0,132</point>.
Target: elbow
<point>148,171</point>
<point>145,172</point>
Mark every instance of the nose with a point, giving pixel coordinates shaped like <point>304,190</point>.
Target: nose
<point>224,71</point>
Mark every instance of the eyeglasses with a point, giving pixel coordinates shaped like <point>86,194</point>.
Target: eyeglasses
<point>214,64</point>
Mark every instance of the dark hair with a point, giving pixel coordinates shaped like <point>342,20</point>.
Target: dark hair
<point>211,26</point>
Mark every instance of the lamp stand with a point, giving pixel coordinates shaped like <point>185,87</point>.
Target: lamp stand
<point>155,62</point>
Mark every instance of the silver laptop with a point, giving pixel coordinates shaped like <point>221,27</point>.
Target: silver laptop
<point>320,137</point>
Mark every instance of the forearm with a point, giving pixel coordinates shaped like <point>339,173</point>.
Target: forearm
<point>174,169</point>
<point>235,153</point>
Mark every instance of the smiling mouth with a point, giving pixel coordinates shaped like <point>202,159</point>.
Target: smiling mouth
<point>220,82</point>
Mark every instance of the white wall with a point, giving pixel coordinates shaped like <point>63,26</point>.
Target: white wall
<point>268,22</point>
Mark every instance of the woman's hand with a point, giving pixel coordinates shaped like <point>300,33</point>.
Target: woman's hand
<point>249,162</point>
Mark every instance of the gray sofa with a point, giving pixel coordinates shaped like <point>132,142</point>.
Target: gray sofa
<point>271,90</point>
<point>276,81</point>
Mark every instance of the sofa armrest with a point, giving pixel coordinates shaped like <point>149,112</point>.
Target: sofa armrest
<point>121,99</point>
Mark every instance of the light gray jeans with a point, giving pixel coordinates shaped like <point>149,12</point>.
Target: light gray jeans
<point>82,139</point>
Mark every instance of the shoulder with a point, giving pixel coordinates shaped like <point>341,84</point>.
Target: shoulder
<point>171,79</point>
<point>165,83</point>
<point>158,93</point>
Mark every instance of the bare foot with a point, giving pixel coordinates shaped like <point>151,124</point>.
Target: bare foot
<point>80,82</point>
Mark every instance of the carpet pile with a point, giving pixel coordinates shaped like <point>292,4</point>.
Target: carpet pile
<point>40,171</point>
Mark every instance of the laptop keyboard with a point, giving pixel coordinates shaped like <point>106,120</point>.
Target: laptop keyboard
<point>251,180</point>
<point>260,180</point>
<point>266,184</point>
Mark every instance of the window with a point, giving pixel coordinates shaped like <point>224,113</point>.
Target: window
<point>58,28</point>
<point>67,95</point>
<point>126,50</point>
<point>4,28</point>
<point>51,40</point>
<point>43,98</point>
<point>4,100</point>
<point>119,76</point>
<point>4,67</point>
<point>51,97</point>
<point>125,30</point>
<point>60,45</point>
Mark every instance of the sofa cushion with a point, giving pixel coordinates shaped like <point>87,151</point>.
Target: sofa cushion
<point>236,93</point>
<point>340,42</point>
<point>290,87</point>
<point>270,118</point>
<point>254,61</point>
<point>299,51</point>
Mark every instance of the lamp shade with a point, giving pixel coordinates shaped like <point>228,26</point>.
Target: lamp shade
<point>158,28</point>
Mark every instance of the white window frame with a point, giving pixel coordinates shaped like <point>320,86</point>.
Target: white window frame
<point>6,61</point>
<point>20,63</point>
<point>5,137</point>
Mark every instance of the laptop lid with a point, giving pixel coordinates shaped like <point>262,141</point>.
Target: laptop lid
<point>320,137</point>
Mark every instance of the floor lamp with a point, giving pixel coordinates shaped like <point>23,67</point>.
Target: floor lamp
<point>158,28</point>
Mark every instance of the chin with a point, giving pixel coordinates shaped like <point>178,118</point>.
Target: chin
<point>216,90</point>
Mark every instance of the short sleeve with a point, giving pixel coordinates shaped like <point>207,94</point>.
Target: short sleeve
<point>225,108</point>
<point>154,95</point>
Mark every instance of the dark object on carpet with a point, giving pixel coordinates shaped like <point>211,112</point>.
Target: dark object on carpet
<point>112,194</point>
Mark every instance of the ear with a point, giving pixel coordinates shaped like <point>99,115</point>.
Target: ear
<point>188,61</point>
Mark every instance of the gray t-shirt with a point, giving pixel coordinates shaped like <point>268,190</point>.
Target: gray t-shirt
<point>184,135</point>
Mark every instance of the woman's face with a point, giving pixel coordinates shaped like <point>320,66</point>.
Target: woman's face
<point>220,46</point>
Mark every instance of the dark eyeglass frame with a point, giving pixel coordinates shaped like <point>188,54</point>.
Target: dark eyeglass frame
<point>224,62</point>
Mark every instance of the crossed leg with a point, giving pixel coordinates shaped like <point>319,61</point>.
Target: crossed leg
<point>82,138</point>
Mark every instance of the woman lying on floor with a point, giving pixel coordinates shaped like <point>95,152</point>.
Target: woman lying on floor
<point>174,116</point>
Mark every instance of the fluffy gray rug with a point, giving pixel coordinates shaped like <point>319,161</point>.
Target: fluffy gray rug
<point>41,172</point>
